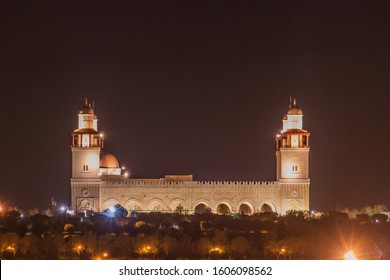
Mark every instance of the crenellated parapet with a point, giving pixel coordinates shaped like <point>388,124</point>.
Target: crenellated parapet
<point>236,183</point>
<point>160,183</point>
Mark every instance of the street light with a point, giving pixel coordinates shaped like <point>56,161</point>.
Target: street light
<point>350,256</point>
<point>78,249</point>
<point>11,249</point>
<point>148,250</point>
<point>216,250</point>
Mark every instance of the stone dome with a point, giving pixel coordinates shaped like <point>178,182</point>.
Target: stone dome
<point>295,111</point>
<point>108,160</point>
<point>86,109</point>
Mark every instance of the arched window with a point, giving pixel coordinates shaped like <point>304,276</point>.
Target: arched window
<point>245,209</point>
<point>266,208</point>
<point>223,209</point>
<point>202,208</point>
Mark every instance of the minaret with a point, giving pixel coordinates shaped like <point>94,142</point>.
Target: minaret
<point>86,146</point>
<point>292,160</point>
<point>292,146</point>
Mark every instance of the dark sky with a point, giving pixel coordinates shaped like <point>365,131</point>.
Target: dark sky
<point>196,87</point>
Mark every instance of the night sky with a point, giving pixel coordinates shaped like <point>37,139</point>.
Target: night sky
<point>196,87</point>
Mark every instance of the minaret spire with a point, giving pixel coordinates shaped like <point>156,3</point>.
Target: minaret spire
<point>289,105</point>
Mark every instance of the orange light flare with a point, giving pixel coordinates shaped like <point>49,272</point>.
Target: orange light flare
<point>11,249</point>
<point>346,243</point>
<point>216,250</point>
<point>147,249</point>
<point>3,207</point>
<point>78,249</point>
<point>350,256</point>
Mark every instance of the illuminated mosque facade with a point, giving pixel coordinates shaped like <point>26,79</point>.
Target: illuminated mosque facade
<point>98,181</point>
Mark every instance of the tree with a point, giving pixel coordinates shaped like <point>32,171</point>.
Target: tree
<point>30,247</point>
<point>69,228</point>
<point>379,218</point>
<point>147,246</point>
<point>362,218</point>
<point>54,247</point>
<point>170,246</point>
<point>240,247</point>
<point>203,246</point>
<point>8,245</point>
<point>40,224</point>
<point>116,211</point>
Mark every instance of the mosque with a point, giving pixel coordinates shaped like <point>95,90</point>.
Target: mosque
<point>98,182</point>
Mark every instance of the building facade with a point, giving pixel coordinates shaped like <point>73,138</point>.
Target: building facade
<point>98,182</point>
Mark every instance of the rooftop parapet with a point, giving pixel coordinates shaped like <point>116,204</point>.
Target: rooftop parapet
<point>183,183</point>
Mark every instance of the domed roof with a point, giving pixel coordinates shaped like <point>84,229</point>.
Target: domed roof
<point>86,109</point>
<point>108,160</point>
<point>295,111</point>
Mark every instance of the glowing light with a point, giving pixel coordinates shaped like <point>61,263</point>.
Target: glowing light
<point>294,141</point>
<point>62,208</point>
<point>126,174</point>
<point>105,255</point>
<point>123,167</point>
<point>350,256</point>
<point>22,215</point>
<point>216,250</point>
<point>112,209</point>
<point>85,140</point>
<point>277,135</point>
<point>147,249</point>
<point>101,135</point>
<point>12,249</point>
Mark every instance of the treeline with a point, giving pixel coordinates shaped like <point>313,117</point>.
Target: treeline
<point>116,235</point>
